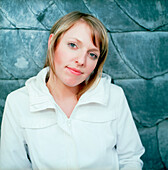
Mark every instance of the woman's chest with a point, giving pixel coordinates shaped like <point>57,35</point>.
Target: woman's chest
<point>73,143</point>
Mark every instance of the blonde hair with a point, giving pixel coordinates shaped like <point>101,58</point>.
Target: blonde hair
<point>98,33</point>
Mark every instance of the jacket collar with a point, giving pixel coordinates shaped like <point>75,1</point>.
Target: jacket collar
<point>41,99</point>
<point>99,92</point>
<point>39,95</point>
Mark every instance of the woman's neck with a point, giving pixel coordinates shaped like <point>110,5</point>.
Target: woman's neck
<point>64,96</point>
<point>59,90</point>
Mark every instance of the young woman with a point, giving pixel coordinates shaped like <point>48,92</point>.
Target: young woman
<point>70,116</point>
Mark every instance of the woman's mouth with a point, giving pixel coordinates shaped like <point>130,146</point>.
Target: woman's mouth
<point>74,71</point>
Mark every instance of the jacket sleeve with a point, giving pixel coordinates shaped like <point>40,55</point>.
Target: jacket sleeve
<point>13,154</point>
<point>129,146</point>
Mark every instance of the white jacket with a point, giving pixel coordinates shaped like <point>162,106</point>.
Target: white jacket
<point>100,134</point>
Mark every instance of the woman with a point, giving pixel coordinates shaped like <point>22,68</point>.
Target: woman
<point>70,116</point>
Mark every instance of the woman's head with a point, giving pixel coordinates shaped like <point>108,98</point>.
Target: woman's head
<point>98,36</point>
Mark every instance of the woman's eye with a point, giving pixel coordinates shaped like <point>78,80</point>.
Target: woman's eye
<point>72,45</point>
<point>94,56</point>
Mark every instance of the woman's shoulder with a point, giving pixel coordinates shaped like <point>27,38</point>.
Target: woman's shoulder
<point>17,104</point>
<point>32,85</point>
<point>18,98</point>
<point>18,94</point>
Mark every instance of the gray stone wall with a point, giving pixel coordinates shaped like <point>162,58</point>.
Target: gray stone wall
<point>137,59</point>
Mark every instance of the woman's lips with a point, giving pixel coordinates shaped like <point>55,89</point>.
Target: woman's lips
<point>75,71</point>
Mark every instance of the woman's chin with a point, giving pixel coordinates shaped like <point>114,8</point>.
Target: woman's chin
<point>72,83</point>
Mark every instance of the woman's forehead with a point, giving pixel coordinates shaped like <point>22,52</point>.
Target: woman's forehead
<point>82,30</point>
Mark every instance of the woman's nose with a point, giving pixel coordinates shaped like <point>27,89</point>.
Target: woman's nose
<point>81,59</point>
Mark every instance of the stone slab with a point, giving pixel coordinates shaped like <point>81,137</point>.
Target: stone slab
<point>147,99</point>
<point>4,22</point>
<point>151,158</point>
<point>112,16</point>
<point>48,12</point>
<point>41,7</point>
<point>145,53</point>
<point>115,65</point>
<point>50,16</point>
<point>149,14</point>
<point>19,15</point>
<point>163,141</point>
<point>4,74</point>
<point>22,53</point>
<point>163,28</point>
<point>72,5</point>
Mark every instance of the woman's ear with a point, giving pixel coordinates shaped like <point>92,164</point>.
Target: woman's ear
<point>49,40</point>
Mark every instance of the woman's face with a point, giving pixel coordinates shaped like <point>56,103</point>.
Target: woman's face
<point>75,56</point>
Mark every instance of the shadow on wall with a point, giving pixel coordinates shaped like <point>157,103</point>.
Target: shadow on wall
<point>137,59</point>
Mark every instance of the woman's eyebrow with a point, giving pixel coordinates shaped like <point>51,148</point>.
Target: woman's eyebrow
<point>94,49</point>
<point>76,40</point>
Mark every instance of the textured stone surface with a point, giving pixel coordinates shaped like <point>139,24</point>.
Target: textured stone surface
<point>147,99</point>
<point>18,14</point>
<point>111,15</point>
<point>22,53</point>
<point>149,56</point>
<point>151,158</point>
<point>39,7</point>
<point>49,16</point>
<point>137,59</point>
<point>115,66</point>
<point>163,141</point>
<point>4,74</point>
<point>163,28</point>
<point>76,5</point>
<point>4,22</point>
<point>149,14</point>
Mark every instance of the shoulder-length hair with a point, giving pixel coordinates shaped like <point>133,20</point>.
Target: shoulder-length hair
<point>99,35</point>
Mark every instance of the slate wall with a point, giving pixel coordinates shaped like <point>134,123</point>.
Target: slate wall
<point>137,59</point>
